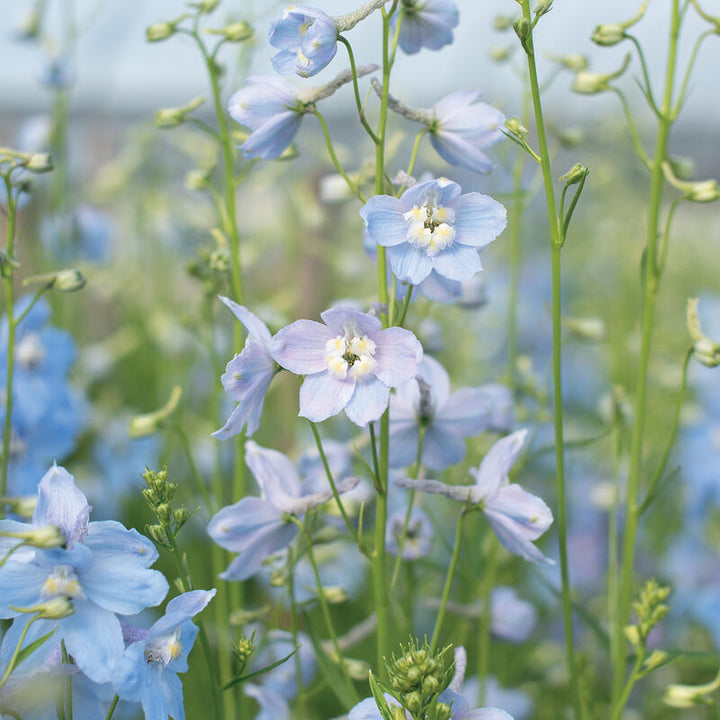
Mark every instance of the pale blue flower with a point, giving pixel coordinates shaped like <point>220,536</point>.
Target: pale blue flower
<point>272,705</point>
<point>257,527</point>
<point>306,38</point>
<point>517,517</point>
<point>446,419</point>
<point>103,569</point>
<point>512,618</point>
<point>272,109</point>
<point>350,363</point>
<point>248,375</point>
<point>462,127</point>
<point>433,226</point>
<point>425,24</point>
<point>147,672</point>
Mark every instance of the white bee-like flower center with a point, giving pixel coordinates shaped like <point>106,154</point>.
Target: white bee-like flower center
<point>164,649</point>
<point>351,354</point>
<point>30,351</point>
<point>63,581</point>
<point>430,227</point>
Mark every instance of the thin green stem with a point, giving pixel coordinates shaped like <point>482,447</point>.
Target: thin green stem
<point>448,581</point>
<point>671,438</point>
<point>622,699</point>
<point>67,690</point>
<point>331,480</point>
<point>333,157</point>
<point>295,630</point>
<point>634,136</point>
<point>646,76</point>
<point>688,71</point>
<point>651,280</point>
<point>13,659</point>
<point>114,704</point>
<point>328,619</point>
<point>9,309</point>
<point>194,472</point>
<point>406,305</point>
<point>356,89</point>
<point>556,245</point>
<point>32,303</point>
<point>486,587</point>
<point>416,147</point>
<point>664,240</point>
<point>11,551</point>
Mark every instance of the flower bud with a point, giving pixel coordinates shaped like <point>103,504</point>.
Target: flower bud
<point>501,54</point>
<point>696,191</point>
<point>235,32</point>
<point>501,23</point>
<point>522,29</point>
<point>335,595</point>
<point>160,32</point>
<point>632,634</point>
<point>543,8</point>
<point>48,536</point>
<point>587,83</point>
<point>68,281</point>
<point>655,660</point>
<point>150,423</point>
<point>592,329</point>
<point>575,174</point>
<point>514,127</point>
<point>39,163</point>
<point>207,6</point>
<point>413,702</point>
<point>172,117</point>
<point>608,35</point>
<point>685,696</point>
<point>706,350</point>
<point>56,608</point>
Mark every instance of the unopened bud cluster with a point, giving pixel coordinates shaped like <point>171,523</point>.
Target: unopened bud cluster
<point>158,496</point>
<point>243,650</point>
<point>650,609</point>
<point>417,676</point>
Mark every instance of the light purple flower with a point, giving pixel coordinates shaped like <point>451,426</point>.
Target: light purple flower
<point>462,128</point>
<point>306,38</point>
<point>433,226</point>
<point>445,418</point>
<point>350,363</point>
<point>257,527</point>
<point>425,23</point>
<point>517,517</point>
<point>148,669</point>
<point>272,109</point>
<point>248,375</point>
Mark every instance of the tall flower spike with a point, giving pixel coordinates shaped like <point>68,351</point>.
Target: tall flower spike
<point>517,517</point>
<point>350,363</point>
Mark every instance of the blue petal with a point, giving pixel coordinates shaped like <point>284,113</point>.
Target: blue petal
<point>478,219</point>
<point>20,586</point>
<point>235,526</point>
<point>253,324</point>
<point>322,396</point>
<point>61,503</point>
<point>494,468</point>
<point>383,216</point>
<point>397,352</point>
<point>276,476</point>
<point>272,705</point>
<point>442,447</point>
<point>110,540</point>
<point>409,264</point>
<point>368,402</point>
<point>271,139</point>
<point>300,347</point>
<point>457,262</point>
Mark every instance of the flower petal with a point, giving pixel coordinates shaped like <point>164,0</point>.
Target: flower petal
<point>322,396</point>
<point>300,347</point>
<point>478,219</point>
<point>457,262</point>
<point>397,352</point>
<point>368,402</point>
<point>383,216</point>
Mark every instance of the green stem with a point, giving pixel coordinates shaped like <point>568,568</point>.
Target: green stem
<point>634,136</point>
<point>556,245</point>
<point>9,308</point>
<point>448,581</point>
<point>115,701</point>
<point>194,472</point>
<point>356,89</point>
<point>333,157</point>
<point>486,586</point>
<point>650,287</point>
<point>295,629</point>
<point>622,699</point>
<point>328,473</point>
<point>688,71</point>
<point>16,652</point>
<point>416,147</point>
<point>406,305</point>
<point>67,691</point>
<point>671,439</point>
<point>328,620</point>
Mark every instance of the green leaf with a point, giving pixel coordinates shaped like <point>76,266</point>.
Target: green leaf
<point>32,647</point>
<point>242,678</point>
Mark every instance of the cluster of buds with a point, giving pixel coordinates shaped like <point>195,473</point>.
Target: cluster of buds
<point>650,609</point>
<point>417,676</point>
<point>159,495</point>
<point>243,650</point>
<point>706,350</point>
<point>211,265</point>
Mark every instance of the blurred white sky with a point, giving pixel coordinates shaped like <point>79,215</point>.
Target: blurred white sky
<point>118,72</point>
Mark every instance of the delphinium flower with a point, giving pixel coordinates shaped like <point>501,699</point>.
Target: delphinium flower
<point>433,226</point>
<point>257,527</point>
<point>517,517</point>
<point>248,375</point>
<point>306,38</point>
<point>462,127</point>
<point>102,570</point>
<point>47,413</point>
<point>425,24</point>
<point>350,363</point>
<point>272,109</point>
<point>445,419</point>
<point>147,672</point>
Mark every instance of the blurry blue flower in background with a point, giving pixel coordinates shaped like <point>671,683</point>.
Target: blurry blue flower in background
<point>425,24</point>
<point>306,38</point>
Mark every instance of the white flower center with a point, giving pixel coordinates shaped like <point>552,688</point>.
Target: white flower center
<point>430,227</point>
<point>164,649</point>
<point>350,353</point>
<point>63,581</point>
